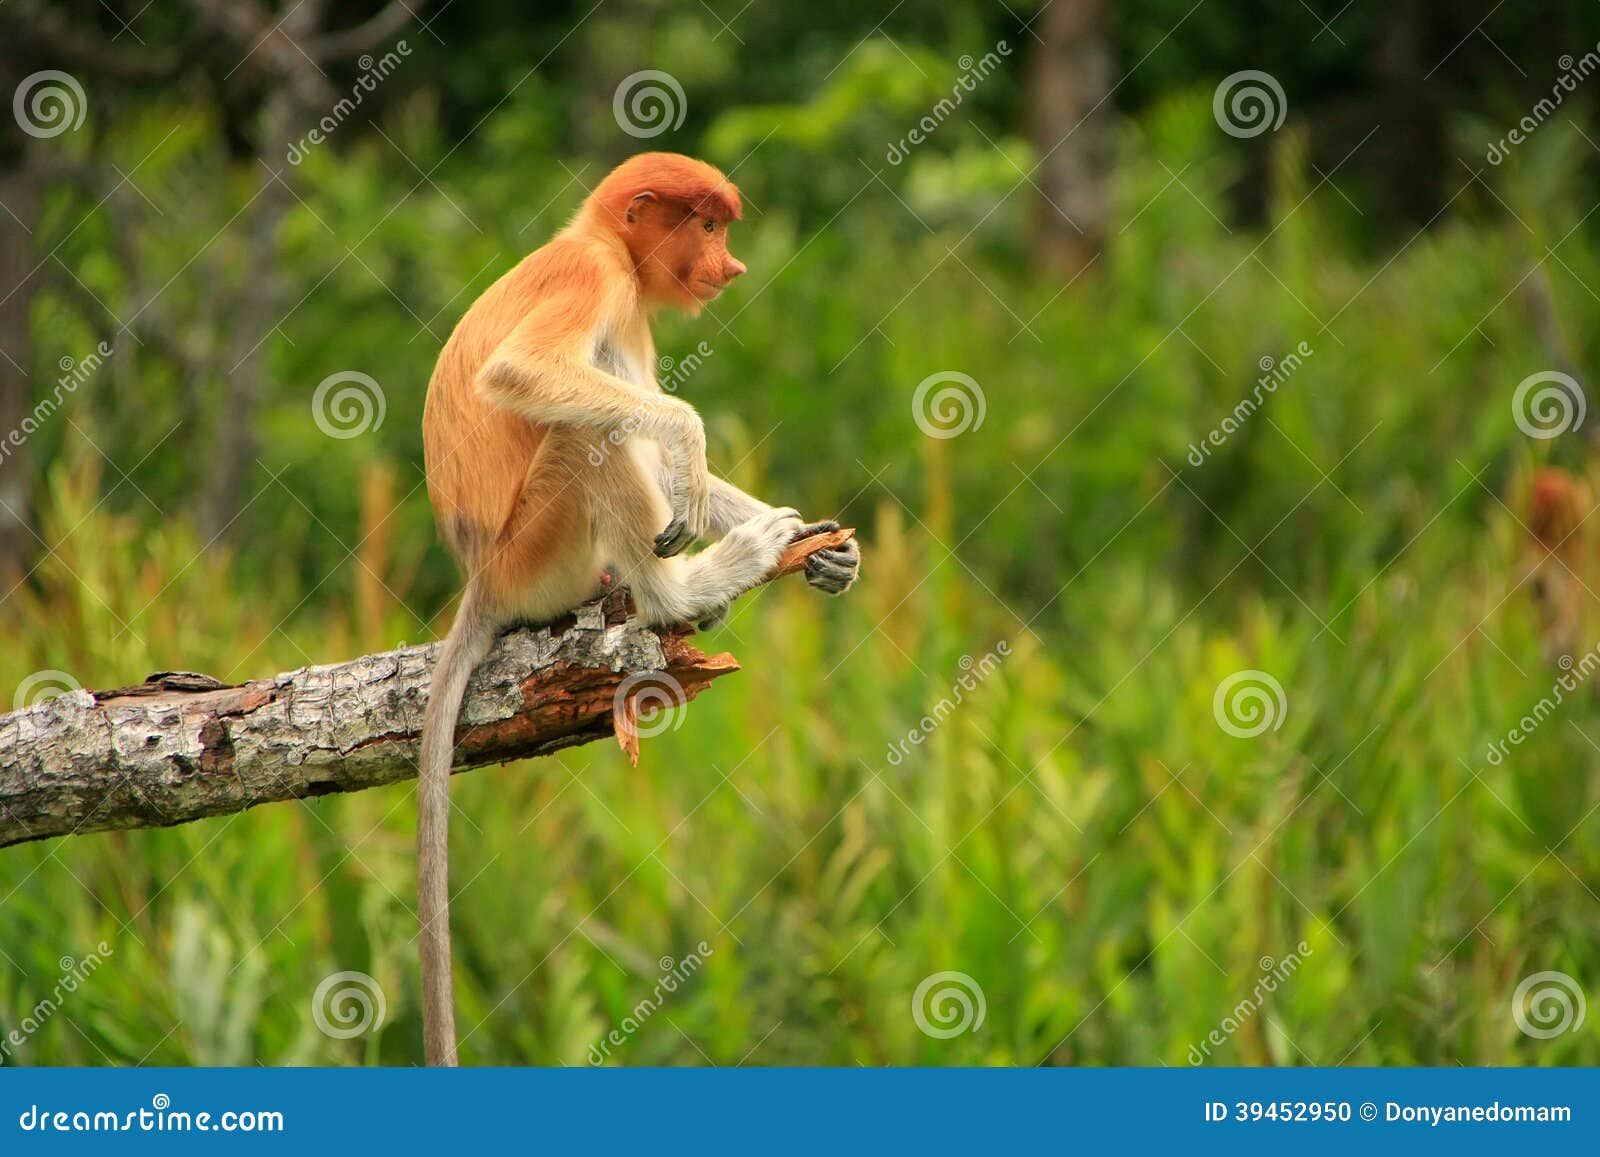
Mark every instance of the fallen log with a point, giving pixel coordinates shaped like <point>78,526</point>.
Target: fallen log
<point>181,746</point>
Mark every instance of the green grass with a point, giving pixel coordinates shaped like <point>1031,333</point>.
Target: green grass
<point>1078,835</point>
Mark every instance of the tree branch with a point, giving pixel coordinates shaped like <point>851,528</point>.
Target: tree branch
<point>66,43</point>
<point>181,747</point>
<point>368,37</point>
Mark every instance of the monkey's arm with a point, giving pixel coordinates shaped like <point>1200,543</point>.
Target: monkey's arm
<point>729,505</point>
<point>542,372</point>
<point>832,570</point>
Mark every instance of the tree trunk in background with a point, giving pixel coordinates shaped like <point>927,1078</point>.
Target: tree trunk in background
<point>1069,112</point>
<point>297,90</point>
<point>259,309</point>
<point>1412,146</point>
<point>19,193</point>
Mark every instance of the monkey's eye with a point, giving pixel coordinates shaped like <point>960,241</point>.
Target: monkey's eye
<point>710,226</point>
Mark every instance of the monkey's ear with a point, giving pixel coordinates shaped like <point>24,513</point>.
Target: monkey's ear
<point>637,204</point>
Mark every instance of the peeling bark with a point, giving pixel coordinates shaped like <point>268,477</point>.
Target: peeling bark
<point>182,746</point>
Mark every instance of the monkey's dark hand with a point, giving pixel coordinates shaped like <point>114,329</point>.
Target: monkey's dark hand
<point>673,539</point>
<point>831,571</point>
<point>690,499</point>
<point>689,488</point>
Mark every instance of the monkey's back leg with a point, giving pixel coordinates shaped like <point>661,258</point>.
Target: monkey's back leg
<point>543,561</point>
<point>629,510</point>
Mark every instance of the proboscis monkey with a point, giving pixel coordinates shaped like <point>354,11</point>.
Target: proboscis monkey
<point>552,361</point>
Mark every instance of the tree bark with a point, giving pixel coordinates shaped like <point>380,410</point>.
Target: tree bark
<point>181,747</point>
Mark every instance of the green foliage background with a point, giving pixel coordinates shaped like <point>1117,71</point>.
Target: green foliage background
<point>1080,836</point>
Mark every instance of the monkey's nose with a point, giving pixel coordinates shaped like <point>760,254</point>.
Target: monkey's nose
<point>732,267</point>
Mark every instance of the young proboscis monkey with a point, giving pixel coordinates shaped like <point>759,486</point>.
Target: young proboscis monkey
<point>554,362</point>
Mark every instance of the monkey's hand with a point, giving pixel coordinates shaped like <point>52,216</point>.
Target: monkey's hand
<point>689,489</point>
<point>831,571</point>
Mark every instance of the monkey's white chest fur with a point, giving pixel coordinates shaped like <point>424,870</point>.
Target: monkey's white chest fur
<point>636,467</point>
<point>635,365</point>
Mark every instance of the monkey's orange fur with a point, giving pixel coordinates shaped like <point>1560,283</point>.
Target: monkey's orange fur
<point>553,456</point>
<point>598,277</point>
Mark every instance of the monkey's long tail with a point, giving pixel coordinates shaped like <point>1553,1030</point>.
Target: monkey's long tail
<point>464,648</point>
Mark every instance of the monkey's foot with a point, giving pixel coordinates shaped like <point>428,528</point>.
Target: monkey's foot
<point>713,618</point>
<point>834,569</point>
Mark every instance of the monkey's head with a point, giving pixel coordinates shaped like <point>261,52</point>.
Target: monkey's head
<point>1558,503</point>
<point>672,212</point>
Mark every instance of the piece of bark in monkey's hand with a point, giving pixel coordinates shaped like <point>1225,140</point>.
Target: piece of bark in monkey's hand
<point>823,541</point>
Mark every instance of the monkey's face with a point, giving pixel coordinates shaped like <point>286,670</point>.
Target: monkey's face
<point>682,255</point>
